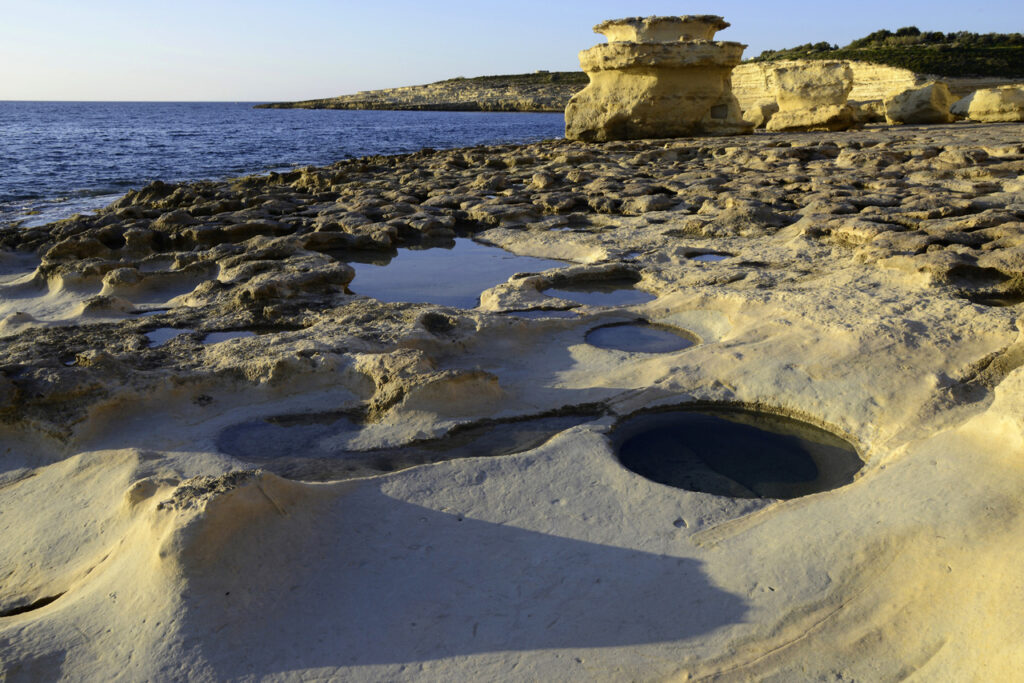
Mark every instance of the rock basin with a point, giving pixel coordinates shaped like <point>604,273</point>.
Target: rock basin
<point>612,293</point>
<point>735,453</point>
<point>640,337</point>
<point>317,447</point>
<point>452,275</point>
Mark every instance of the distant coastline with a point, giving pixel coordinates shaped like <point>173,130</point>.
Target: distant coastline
<point>539,92</point>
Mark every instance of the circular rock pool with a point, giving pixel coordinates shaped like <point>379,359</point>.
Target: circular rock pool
<point>735,453</point>
<point>641,337</point>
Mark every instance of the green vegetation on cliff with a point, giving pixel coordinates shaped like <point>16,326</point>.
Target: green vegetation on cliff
<point>933,52</point>
<point>536,78</point>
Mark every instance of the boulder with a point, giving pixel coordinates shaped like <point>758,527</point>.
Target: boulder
<point>657,77</point>
<point>812,96</point>
<point>760,114</point>
<point>992,105</point>
<point>872,111</point>
<point>830,117</point>
<point>928,104</point>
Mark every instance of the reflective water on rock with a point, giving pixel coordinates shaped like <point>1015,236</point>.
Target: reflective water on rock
<point>540,315</point>
<point>641,337</point>
<point>735,453</point>
<point>311,447</point>
<point>609,293</point>
<point>218,337</point>
<point>710,257</point>
<point>448,276</point>
<point>162,335</point>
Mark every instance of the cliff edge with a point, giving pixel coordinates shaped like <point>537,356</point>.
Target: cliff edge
<point>549,91</point>
<point>542,91</point>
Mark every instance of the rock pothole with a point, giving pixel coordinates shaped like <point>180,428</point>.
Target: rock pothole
<point>641,336</point>
<point>708,257</point>
<point>735,453</point>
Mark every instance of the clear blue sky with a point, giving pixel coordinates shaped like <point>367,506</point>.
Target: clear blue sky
<point>258,50</point>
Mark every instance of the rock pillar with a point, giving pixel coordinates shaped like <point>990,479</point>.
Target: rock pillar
<point>657,77</point>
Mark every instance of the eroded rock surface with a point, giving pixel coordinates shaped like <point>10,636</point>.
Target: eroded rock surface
<point>657,77</point>
<point>469,517</point>
<point>929,103</point>
<point>992,105</point>
<point>813,96</point>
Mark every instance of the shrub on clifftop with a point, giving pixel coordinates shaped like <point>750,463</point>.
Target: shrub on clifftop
<point>944,54</point>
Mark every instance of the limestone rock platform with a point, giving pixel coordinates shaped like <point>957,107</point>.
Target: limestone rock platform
<point>299,482</point>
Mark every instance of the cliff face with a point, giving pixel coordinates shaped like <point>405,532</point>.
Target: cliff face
<point>539,92</point>
<point>753,82</point>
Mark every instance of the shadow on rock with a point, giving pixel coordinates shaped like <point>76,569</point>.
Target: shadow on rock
<point>396,583</point>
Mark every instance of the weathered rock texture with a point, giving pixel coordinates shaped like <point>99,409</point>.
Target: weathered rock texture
<point>930,103</point>
<point>407,525</point>
<point>754,82</point>
<point>658,77</point>
<point>813,97</point>
<point>992,105</point>
<point>760,114</point>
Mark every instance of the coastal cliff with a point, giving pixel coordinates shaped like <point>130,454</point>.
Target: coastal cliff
<point>753,82</point>
<point>549,91</point>
<point>542,91</point>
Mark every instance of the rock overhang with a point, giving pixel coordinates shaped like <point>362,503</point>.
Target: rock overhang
<point>662,29</point>
<point>622,55</point>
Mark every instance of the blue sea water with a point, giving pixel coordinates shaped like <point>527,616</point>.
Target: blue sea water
<point>62,158</point>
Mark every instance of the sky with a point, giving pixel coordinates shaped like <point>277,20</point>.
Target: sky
<point>260,51</point>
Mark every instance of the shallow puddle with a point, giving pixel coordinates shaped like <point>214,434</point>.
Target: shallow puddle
<point>611,293</point>
<point>448,276</point>
<point>306,447</point>
<point>218,337</point>
<point>710,258</point>
<point>735,453</point>
<point>162,335</point>
<point>540,315</point>
<point>640,337</point>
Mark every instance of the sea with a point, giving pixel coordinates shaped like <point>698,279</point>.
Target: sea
<point>62,158</point>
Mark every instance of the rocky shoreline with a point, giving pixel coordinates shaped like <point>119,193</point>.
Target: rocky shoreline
<point>870,284</point>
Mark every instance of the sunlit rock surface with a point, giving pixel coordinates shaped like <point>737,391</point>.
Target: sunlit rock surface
<point>992,105</point>
<point>930,103</point>
<point>812,96</point>
<point>658,77</point>
<point>367,490</point>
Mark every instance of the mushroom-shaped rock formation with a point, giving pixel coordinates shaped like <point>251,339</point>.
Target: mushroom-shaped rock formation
<point>657,77</point>
<point>813,97</point>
